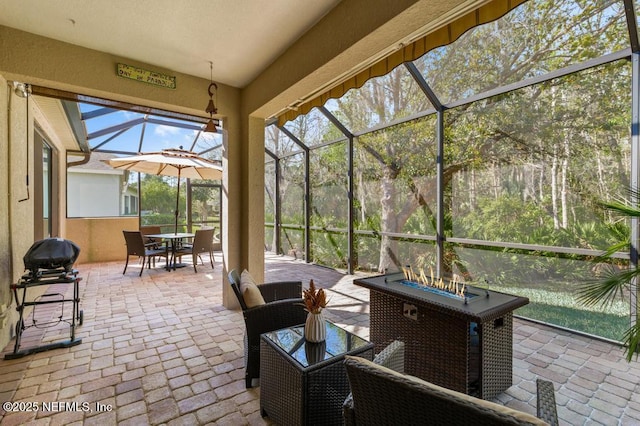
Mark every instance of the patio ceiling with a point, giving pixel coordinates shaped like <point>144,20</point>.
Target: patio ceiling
<point>240,38</point>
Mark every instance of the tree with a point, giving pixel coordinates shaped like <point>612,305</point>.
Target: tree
<point>157,195</point>
<point>499,151</point>
<point>482,136</point>
<point>291,178</point>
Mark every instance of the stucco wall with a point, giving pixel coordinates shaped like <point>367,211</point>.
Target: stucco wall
<point>100,239</point>
<point>16,208</point>
<point>6,275</point>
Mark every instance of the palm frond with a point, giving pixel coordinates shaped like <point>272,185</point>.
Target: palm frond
<point>625,206</point>
<point>611,250</point>
<point>622,208</point>
<point>631,340</point>
<point>605,290</point>
<point>613,282</point>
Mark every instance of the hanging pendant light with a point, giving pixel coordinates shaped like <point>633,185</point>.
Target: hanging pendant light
<point>211,107</point>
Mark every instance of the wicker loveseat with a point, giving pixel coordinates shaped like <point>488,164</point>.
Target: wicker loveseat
<point>382,396</point>
<point>280,306</point>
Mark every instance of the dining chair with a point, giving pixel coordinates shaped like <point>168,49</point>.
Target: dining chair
<point>136,247</point>
<point>202,243</point>
<point>150,230</point>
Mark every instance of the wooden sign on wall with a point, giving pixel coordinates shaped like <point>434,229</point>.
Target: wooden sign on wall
<point>146,76</point>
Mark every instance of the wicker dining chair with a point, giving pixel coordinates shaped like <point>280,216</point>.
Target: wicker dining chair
<point>202,243</point>
<point>282,308</point>
<point>136,247</point>
<point>150,242</point>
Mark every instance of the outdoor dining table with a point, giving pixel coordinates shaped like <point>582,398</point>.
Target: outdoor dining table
<point>174,238</point>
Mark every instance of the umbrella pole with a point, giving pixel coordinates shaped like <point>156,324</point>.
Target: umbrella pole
<point>175,229</point>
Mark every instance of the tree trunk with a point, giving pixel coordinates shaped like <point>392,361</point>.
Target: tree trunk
<point>541,183</point>
<point>496,180</point>
<point>473,203</point>
<point>388,223</point>
<point>554,189</point>
<point>563,185</point>
<point>362,197</point>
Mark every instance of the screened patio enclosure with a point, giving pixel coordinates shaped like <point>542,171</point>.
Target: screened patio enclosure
<point>487,158</point>
<point>113,129</point>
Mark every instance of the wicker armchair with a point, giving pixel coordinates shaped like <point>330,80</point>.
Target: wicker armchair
<point>383,396</point>
<point>283,308</point>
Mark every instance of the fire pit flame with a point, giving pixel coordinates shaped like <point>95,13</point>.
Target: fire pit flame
<point>453,287</point>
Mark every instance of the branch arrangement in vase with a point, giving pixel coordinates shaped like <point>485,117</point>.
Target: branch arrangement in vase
<point>314,299</point>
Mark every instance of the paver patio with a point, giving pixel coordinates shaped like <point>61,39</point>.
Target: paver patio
<point>161,349</point>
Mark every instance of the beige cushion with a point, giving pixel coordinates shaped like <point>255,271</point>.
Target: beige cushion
<point>459,398</point>
<point>250,291</point>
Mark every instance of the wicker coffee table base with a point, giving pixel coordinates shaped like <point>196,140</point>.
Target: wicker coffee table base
<point>291,395</point>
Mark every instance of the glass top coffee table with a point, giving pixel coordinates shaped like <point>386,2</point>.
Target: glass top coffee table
<point>303,382</point>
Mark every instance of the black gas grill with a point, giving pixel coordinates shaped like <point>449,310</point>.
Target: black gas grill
<point>48,262</point>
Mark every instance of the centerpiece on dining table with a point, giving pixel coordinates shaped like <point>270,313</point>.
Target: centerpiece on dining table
<point>315,300</point>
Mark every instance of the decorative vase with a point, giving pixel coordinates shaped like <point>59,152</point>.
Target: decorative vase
<point>315,351</point>
<point>314,328</point>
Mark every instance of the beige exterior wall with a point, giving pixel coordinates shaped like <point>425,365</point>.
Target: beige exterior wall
<point>16,230</point>
<point>100,239</point>
<point>6,259</point>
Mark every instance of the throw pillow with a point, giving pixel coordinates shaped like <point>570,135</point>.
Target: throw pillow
<point>250,291</point>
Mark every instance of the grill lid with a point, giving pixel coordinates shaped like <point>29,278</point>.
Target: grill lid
<point>51,253</point>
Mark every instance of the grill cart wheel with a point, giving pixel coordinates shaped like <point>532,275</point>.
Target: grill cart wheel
<point>19,327</point>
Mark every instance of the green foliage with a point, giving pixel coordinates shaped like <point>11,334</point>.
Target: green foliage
<point>159,219</point>
<point>614,282</point>
<point>594,322</point>
<point>529,223</point>
<point>329,248</point>
<point>486,222</point>
<point>631,339</point>
<point>157,195</point>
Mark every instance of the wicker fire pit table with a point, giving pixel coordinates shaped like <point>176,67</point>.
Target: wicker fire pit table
<point>461,343</point>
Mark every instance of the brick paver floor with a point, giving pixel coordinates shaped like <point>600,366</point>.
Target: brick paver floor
<point>161,349</point>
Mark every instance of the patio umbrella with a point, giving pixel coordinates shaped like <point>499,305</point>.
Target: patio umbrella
<point>170,162</point>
